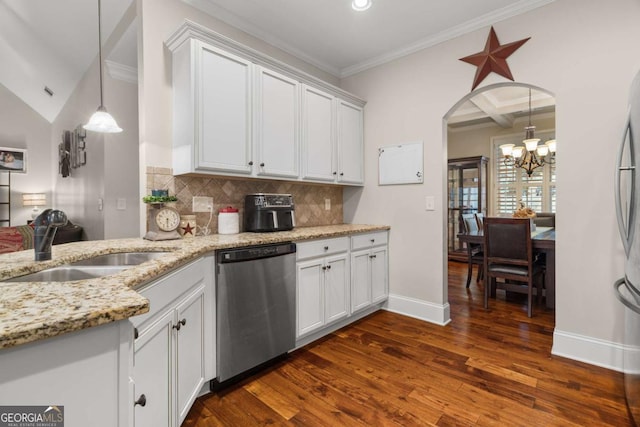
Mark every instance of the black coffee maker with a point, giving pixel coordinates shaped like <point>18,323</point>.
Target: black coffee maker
<point>268,212</point>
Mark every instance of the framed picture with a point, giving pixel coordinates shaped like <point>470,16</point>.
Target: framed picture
<point>13,159</point>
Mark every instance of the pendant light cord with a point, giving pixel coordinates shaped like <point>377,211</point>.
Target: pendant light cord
<point>529,104</point>
<point>100,51</point>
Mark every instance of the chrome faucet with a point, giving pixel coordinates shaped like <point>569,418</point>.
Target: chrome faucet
<point>45,227</point>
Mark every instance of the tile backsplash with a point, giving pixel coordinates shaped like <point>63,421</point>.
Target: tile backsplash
<point>309,199</point>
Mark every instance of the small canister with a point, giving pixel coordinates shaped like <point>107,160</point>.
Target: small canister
<point>187,227</point>
<point>228,221</point>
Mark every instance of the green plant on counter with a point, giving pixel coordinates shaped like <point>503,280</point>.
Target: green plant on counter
<point>159,199</point>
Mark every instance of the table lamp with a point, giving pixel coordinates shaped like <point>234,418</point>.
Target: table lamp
<point>36,200</point>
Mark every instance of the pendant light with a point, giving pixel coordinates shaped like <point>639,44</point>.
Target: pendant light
<point>101,120</point>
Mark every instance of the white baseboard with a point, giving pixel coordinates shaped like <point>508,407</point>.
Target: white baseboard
<point>419,309</point>
<point>591,350</point>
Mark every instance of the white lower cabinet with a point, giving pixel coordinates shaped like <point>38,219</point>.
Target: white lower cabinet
<point>334,282</point>
<point>322,284</point>
<point>369,270</point>
<point>173,345</point>
<point>151,373</point>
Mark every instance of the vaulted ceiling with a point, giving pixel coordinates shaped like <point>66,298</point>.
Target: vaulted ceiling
<point>52,43</point>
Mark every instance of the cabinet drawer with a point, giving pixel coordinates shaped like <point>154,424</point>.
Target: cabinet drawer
<point>322,247</point>
<point>368,240</point>
<point>168,288</point>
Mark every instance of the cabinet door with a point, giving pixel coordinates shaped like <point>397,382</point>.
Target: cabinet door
<point>350,143</point>
<point>310,296</point>
<point>379,275</point>
<point>223,120</point>
<point>360,280</point>
<point>190,351</point>
<point>276,124</point>
<point>318,138</point>
<point>336,288</point>
<point>152,373</point>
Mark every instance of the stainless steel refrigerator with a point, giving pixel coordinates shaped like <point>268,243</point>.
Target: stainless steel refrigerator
<point>627,209</point>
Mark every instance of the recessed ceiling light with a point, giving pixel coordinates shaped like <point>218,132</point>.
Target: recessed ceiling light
<point>361,5</point>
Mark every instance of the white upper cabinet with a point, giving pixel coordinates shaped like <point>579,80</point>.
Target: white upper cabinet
<point>212,110</point>
<point>277,129</point>
<point>350,143</point>
<point>239,112</point>
<point>319,161</point>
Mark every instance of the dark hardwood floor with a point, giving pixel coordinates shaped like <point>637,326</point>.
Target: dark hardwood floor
<point>486,368</point>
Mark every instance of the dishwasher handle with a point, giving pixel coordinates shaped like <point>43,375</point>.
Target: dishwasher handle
<point>255,252</point>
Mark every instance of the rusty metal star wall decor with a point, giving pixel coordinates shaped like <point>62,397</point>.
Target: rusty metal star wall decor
<point>493,58</point>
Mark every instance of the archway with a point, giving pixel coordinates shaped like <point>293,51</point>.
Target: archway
<point>503,109</point>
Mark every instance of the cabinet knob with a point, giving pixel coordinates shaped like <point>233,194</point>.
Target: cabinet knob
<point>251,163</point>
<point>135,333</point>
<point>373,240</point>
<point>262,164</point>
<point>180,324</point>
<point>335,173</point>
<point>142,401</point>
<point>372,256</point>
<point>324,267</point>
<point>328,267</point>
<point>341,173</point>
<point>326,248</point>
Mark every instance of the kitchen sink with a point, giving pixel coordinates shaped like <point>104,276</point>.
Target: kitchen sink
<point>66,273</point>
<point>90,268</point>
<point>119,259</point>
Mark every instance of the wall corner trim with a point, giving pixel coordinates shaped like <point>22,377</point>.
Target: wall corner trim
<point>419,309</point>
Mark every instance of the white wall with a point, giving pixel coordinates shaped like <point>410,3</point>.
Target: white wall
<point>111,171</point>
<point>586,54</point>
<point>22,127</point>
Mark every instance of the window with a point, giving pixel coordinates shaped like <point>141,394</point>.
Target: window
<point>512,184</point>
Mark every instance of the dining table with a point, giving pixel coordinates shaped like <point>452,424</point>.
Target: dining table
<point>543,240</point>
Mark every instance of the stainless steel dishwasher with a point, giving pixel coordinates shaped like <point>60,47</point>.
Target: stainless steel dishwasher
<point>255,300</point>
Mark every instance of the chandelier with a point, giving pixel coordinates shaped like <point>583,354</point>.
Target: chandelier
<point>531,156</point>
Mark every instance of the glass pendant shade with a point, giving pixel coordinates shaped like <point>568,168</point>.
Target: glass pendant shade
<point>552,145</point>
<point>531,144</point>
<point>507,149</point>
<point>517,152</point>
<point>101,121</point>
<point>542,150</point>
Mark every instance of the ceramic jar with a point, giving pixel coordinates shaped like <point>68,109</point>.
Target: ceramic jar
<point>228,221</point>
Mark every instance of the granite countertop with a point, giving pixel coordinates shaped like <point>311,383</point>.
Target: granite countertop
<point>30,311</point>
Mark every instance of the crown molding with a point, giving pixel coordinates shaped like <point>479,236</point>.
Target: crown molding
<point>451,33</point>
<point>122,72</point>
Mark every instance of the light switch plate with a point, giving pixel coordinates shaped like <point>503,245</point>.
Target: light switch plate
<point>327,204</point>
<point>121,204</point>
<point>430,203</point>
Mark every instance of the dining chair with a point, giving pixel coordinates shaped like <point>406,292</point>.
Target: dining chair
<point>509,256</point>
<point>475,256</point>
<point>480,220</point>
